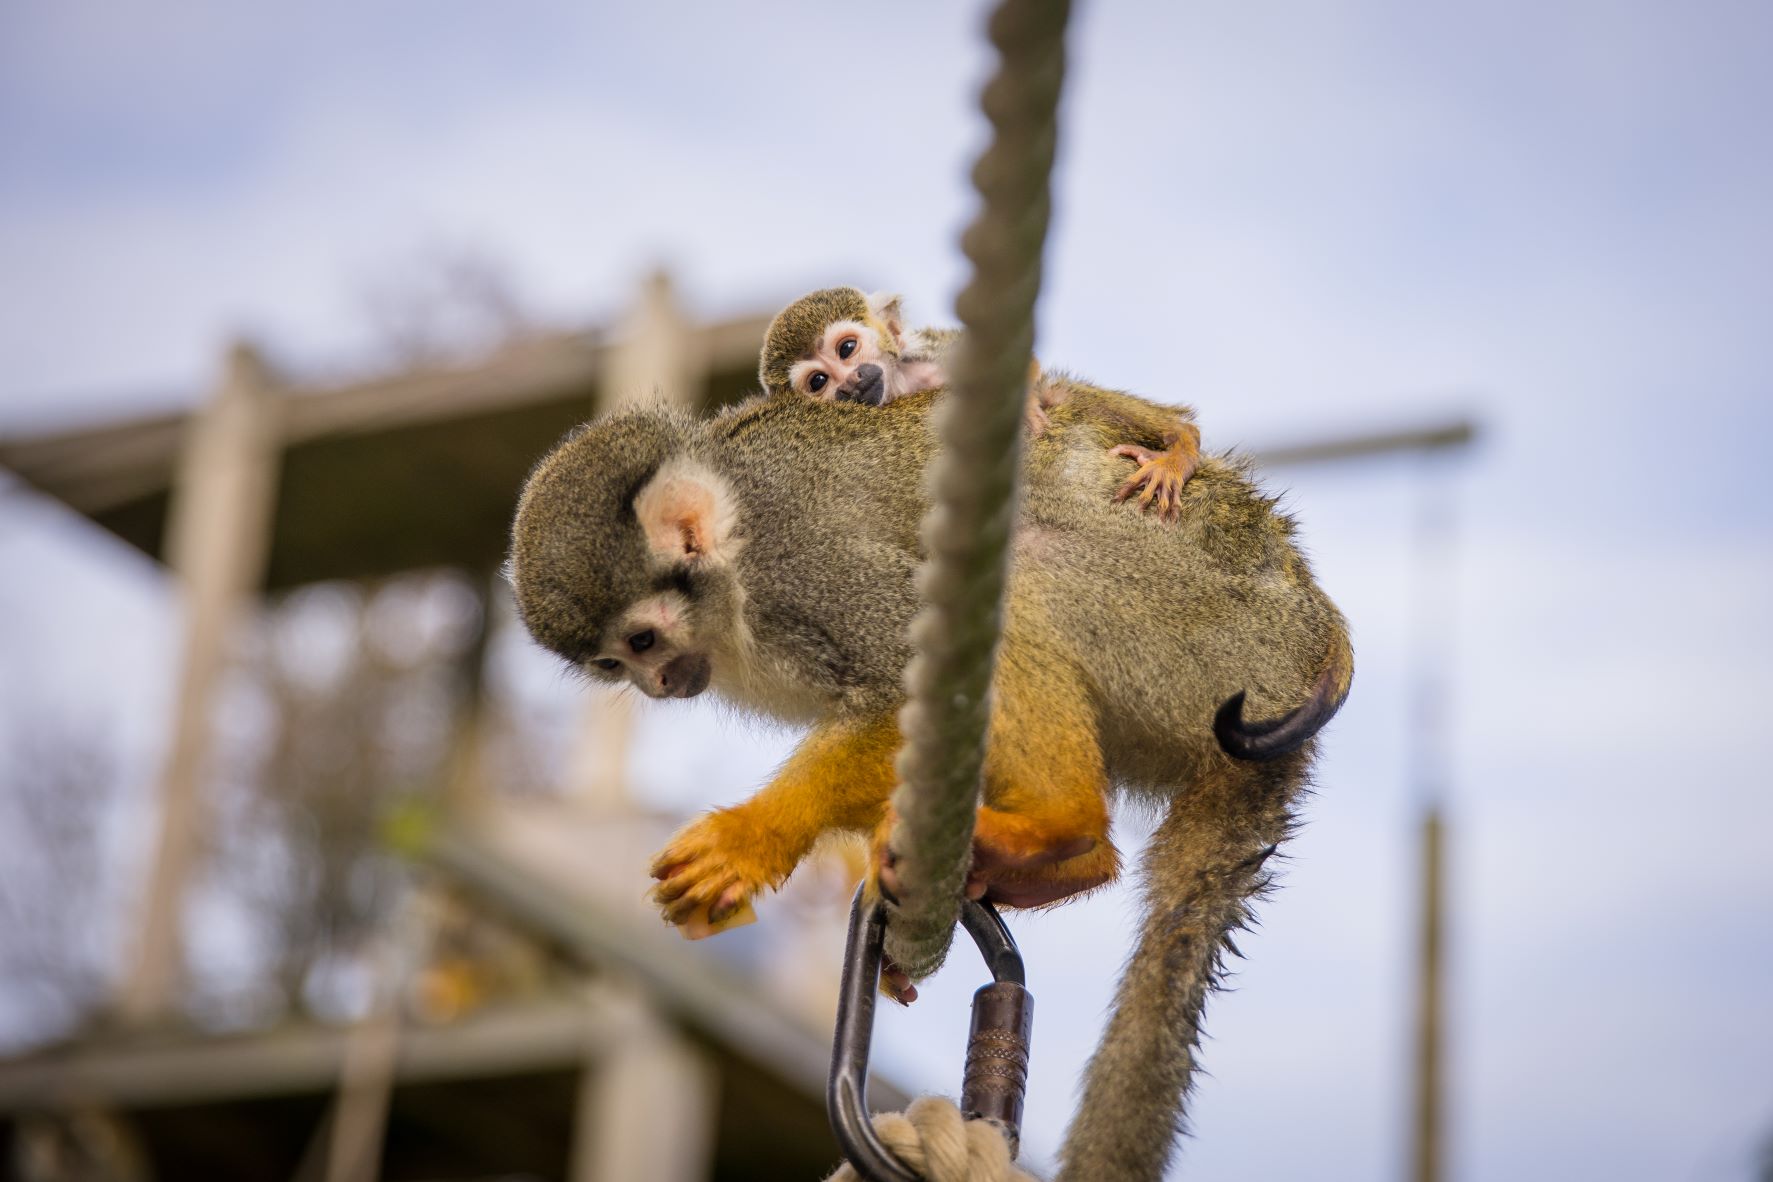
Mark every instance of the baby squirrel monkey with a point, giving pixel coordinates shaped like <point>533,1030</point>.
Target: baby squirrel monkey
<point>840,345</point>
<point>678,555</point>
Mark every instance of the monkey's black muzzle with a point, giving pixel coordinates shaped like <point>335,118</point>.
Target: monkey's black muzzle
<point>685,676</point>
<point>867,386</point>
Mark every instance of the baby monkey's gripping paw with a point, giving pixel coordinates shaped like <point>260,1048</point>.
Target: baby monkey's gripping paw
<point>1160,476</point>
<point>709,874</point>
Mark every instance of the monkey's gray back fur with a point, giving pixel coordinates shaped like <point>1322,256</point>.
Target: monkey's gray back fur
<point>1208,606</point>
<point>1218,603</point>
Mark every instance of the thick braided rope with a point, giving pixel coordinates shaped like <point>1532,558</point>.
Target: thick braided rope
<point>973,486</point>
<point>937,1143</point>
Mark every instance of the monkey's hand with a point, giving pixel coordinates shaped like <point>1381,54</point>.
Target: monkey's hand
<point>883,881</point>
<point>710,871</point>
<point>895,982</point>
<point>1160,476</point>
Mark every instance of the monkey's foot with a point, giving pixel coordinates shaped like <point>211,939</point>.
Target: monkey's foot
<point>709,873</point>
<point>1015,862</point>
<point>1158,480</point>
<point>1055,882</point>
<point>1020,862</point>
<point>1010,867</point>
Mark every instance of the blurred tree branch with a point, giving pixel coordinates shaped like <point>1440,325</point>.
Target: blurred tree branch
<point>56,781</point>
<point>443,304</point>
<point>362,691</point>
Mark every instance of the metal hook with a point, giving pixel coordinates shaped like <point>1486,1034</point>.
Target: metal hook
<point>996,1075</point>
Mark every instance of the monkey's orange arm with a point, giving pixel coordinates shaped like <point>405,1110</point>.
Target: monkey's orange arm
<point>840,777</point>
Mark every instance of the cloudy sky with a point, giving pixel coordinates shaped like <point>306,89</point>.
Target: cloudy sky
<point>1300,219</point>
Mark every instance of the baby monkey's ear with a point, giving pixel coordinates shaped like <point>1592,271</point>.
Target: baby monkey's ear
<point>687,514</point>
<point>889,309</point>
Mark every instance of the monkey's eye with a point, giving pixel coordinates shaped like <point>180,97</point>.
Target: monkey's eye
<point>641,641</point>
<point>816,383</point>
<point>847,347</point>
<point>609,663</point>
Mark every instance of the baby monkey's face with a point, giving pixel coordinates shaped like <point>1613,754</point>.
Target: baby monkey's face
<point>850,362</point>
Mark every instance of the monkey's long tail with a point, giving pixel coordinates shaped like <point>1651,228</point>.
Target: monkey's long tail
<point>1202,871</point>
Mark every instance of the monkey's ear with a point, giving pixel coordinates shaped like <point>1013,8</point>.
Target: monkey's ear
<point>889,309</point>
<point>686,512</point>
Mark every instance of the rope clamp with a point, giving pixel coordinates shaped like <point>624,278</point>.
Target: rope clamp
<point>996,1076</point>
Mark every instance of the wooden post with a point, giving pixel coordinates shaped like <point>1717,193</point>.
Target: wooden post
<point>218,530</point>
<point>357,1128</point>
<point>359,1118</point>
<point>1436,538</point>
<point>465,780</point>
<point>597,765</point>
<point>647,1106</point>
<point>1425,1152</point>
<point>657,360</point>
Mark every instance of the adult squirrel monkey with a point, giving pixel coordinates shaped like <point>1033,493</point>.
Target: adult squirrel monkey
<point>679,555</point>
<point>840,345</point>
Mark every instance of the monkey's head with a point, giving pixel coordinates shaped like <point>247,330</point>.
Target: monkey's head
<point>836,345</point>
<point>621,555</point>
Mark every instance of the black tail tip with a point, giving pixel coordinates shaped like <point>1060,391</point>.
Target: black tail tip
<point>1268,738</point>
<point>1271,738</point>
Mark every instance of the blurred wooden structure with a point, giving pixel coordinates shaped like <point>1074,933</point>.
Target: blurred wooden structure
<point>655,1062</point>
<point>658,1064</point>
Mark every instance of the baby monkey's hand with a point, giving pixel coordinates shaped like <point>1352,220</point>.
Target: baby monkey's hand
<point>1160,476</point>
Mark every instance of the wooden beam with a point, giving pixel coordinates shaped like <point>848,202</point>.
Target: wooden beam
<point>549,1034</point>
<point>1452,434</point>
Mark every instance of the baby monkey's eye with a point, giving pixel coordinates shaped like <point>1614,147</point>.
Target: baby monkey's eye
<point>847,347</point>
<point>641,641</point>
<point>609,663</point>
<point>816,383</point>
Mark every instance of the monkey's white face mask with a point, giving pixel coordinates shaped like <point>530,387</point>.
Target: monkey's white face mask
<point>685,513</point>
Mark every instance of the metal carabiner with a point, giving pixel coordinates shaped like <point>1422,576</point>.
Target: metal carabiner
<point>996,1076</point>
